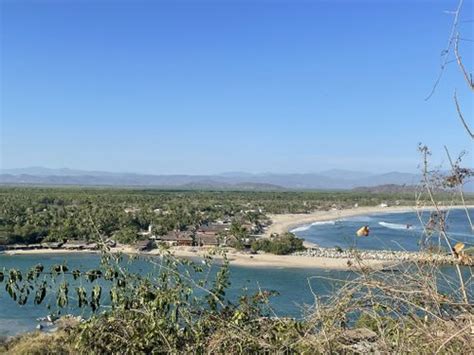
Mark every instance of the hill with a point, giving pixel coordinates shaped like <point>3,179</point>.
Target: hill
<point>330,179</point>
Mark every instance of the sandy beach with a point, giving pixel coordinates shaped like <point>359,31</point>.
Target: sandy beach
<point>285,222</point>
<point>125,249</point>
<point>285,261</point>
<point>235,258</point>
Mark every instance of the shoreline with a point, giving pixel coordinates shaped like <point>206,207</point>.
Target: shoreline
<point>235,258</point>
<point>284,261</point>
<point>281,224</point>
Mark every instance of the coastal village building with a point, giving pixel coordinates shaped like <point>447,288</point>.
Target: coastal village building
<point>208,234</point>
<point>211,234</point>
<point>207,239</point>
<point>176,238</point>
<point>52,245</point>
<point>79,245</point>
<point>213,228</point>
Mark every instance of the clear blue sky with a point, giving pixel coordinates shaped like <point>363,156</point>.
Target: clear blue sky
<point>212,86</point>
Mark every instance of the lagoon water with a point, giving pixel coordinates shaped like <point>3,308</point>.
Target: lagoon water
<point>295,286</point>
<point>388,231</point>
<point>291,284</point>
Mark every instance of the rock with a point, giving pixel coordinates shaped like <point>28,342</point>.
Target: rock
<point>66,322</point>
<point>385,255</point>
<point>51,318</point>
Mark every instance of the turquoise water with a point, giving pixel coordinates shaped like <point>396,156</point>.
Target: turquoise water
<point>389,231</point>
<point>292,285</point>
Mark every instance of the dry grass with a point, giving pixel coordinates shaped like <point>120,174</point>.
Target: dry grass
<point>39,343</point>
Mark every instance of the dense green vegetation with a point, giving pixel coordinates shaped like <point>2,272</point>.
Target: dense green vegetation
<point>32,215</point>
<point>281,245</point>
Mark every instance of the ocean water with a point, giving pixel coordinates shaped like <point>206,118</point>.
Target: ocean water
<point>296,286</point>
<point>388,231</point>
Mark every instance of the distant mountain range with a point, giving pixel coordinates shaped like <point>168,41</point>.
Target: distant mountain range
<point>331,179</point>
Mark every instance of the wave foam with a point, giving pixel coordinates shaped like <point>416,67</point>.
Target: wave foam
<point>460,234</point>
<point>395,226</point>
<point>308,226</point>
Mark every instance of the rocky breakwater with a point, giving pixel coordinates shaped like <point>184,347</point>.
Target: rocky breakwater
<point>381,255</point>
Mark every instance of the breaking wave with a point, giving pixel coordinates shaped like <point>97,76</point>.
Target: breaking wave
<point>308,226</point>
<point>468,235</point>
<point>396,226</point>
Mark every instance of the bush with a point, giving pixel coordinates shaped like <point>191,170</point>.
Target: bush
<point>281,245</point>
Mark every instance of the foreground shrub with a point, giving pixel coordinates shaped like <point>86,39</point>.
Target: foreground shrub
<point>396,312</point>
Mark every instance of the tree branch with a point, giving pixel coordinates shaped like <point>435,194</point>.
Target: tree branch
<point>461,116</point>
<point>467,77</point>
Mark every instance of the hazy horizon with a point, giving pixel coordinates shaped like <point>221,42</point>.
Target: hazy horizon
<point>205,87</point>
<point>235,172</point>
